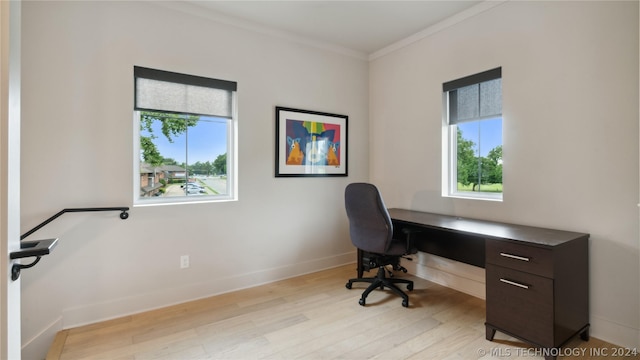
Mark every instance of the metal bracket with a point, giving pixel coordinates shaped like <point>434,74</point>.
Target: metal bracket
<point>36,248</point>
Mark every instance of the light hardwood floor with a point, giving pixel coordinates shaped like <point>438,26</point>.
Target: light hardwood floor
<point>309,317</point>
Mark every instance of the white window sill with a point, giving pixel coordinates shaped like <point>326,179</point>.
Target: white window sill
<point>476,196</point>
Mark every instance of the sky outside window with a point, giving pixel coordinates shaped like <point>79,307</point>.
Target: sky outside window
<point>206,141</point>
<point>485,134</point>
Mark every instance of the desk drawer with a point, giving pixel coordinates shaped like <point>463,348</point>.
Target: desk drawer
<point>521,304</point>
<point>521,257</point>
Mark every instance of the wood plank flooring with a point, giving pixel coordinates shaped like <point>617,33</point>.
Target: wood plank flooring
<point>308,317</point>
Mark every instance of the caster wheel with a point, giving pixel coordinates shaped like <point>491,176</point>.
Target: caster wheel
<point>405,303</point>
<point>362,302</point>
<point>410,287</point>
<point>348,285</point>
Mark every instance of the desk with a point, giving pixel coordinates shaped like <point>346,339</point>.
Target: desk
<point>537,279</point>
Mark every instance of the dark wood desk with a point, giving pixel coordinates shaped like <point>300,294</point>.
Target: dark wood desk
<point>537,279</point>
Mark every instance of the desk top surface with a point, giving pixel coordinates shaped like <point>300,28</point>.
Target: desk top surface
<point>484,228</point>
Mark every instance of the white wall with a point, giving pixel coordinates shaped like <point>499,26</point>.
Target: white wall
<point>570,105</point>
<point>77,135</point>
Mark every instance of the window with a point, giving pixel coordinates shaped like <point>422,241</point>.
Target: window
<point>185,138</point>
<point>473,136</point>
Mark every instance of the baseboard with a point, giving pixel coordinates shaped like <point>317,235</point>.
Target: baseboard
<point>38,346</point>
<point>92,313</point>
<point>615,333</point>
<point>462,277</point>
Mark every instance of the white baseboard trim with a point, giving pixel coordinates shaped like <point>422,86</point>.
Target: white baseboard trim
<point>614,333</point>
<point>92,313</point>
<point>38,346</point>
<point>459,276</point>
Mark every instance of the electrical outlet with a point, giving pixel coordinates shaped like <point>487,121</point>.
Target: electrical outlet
<point>184,261</point>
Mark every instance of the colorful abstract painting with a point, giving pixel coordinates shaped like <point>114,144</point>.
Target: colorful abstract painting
<point>310,143</point>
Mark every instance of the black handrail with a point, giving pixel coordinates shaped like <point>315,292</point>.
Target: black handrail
<point>123,215</point>
<point>40,248</point>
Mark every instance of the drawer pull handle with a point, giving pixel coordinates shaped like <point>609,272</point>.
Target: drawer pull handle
<point>511,256</point>
<point>514,283</point>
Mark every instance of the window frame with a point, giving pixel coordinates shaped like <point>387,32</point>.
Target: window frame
<point>449,138</point>
<point>231,137</point>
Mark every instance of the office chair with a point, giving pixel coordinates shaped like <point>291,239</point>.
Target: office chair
<point>371,231</point>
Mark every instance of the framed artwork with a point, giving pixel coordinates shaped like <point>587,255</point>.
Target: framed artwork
<point>310,143</point>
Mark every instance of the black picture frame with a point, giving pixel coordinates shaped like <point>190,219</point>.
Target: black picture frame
<point>310,143</point>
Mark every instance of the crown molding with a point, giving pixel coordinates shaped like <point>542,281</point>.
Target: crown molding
<point>455,19</point>
<point>193,8</point>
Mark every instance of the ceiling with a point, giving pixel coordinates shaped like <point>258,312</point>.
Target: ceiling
<point>360,26</point>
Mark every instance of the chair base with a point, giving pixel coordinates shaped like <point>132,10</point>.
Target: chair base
<point>381,281</point>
